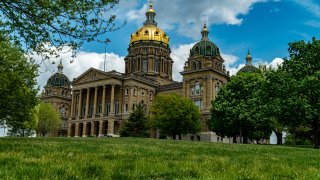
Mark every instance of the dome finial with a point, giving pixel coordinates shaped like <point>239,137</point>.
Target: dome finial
<point>60,67</point>
<point>205,32</point>
<point>248,58</point>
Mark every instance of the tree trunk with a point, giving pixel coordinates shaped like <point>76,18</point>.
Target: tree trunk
<point>279,137</point>
<point>234,139</point>
<point>179,136</point>
<point>174,136</point>
<point>241,136</point>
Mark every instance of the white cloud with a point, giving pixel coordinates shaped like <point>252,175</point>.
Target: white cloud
<point>83,62</point>
<point>309,5</point>
<point>276,62</point>
<point>187,18</point>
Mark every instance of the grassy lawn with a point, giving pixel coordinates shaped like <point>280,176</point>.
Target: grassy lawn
<point>126,158</point>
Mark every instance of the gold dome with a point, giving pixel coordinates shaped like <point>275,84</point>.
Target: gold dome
<point>149,33</point>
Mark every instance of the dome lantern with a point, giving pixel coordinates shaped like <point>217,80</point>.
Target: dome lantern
<point>60,67</point>
<point>150,16</point>
<point>248,58</point>
<point>205,32</point>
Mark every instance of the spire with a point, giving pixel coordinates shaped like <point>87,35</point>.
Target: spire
<point>150,16</point>
<point>60,67</point>
<point>205,32</point>
<point>248,58</point>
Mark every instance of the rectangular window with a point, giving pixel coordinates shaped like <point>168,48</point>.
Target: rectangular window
<point>198,103</point>
<point>126,92</point>
<point>126,108</point>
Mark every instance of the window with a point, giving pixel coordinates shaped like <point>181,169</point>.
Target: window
<point>208,50</point>
<point>198,103</point>
<point>197,88</point>
<point>133,107</point>
<point>150,96</point>
<point>192,90</point>
<point>108,108</point>
<point>126,92</point>
<point>197,50</point>
<point>134,92</point>
<point>194,65</point>
<point>199,65</point>
<point>142,93</point>
<point>217,89</point>
<point>116,107</point>
<point>145,65</point>
<point>126,107</point>
<point>156,66</point>
<point>99,108</point>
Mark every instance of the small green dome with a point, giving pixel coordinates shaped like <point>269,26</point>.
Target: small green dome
<point>249,69</point>
<point>58,79</point>
<point>204,48</point>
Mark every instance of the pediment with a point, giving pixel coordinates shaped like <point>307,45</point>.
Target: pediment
<point>91,75</point>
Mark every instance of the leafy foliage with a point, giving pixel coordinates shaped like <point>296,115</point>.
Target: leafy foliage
<point>303,65</point>
<point>175,115</point>
<point>37,23</point>
<point>17,89</point>
<point>237,109</point>
<point>137,124</point>
<point>48,119</point>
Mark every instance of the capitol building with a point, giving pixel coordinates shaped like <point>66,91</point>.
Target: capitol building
<point>98,103</point>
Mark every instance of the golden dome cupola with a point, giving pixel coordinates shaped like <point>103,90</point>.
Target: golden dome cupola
<point>149,31</point>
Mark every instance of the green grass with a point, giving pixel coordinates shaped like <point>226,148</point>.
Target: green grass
<point>126,158</point>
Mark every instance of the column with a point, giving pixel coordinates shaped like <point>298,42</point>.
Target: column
<point>100,128</point>
<point>112,100</point>
<point>87,103</point>
<point>204,95</point>
<point>210,89</point>
<point>80,103</point>
<point>69,129</point>
<point>104,99</point>
<point>95,101</point>
<point>92,129</point>
<point>72,104</point>
<point>76,134</point>
<point>84,132</point>
<point>188,89</point>
<point>130,99</point>
<point>110,126</point>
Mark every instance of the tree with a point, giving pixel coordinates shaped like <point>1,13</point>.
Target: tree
<point>237,109</point>
<point>281,102</point>
<point>303,65</point>
<point>17,89</point>
<point>38,23</point>
<point>175,115</point>
<point>48,119</point>
<point>137,124</point>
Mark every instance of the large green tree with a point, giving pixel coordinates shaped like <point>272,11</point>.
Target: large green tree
<point>137,124</point>
<point>174,115</point>
<point>303,65</point>
<point>237,109</point>
<point>281,101</point>
<point>17,88</point>
<point>35,24</point>
<point>48,119</point>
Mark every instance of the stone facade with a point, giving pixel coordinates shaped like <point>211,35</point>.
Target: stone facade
<point>102,101</point>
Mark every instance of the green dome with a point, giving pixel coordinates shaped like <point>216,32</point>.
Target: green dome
<point>204,48</point>
<point>249,69</point>
<point>58,79</point>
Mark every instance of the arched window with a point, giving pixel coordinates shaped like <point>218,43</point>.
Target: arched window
<point>194,66</point>
<point>145,65</point>
<point>156,66</point>
<point>208,50</point>
<point>197,88</point>
<point>197,50</point>
<point>199,65</point>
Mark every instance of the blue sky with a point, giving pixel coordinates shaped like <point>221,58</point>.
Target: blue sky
<point>264,26</point>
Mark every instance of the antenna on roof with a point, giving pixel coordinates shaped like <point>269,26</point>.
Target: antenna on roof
<point>105,54</point>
